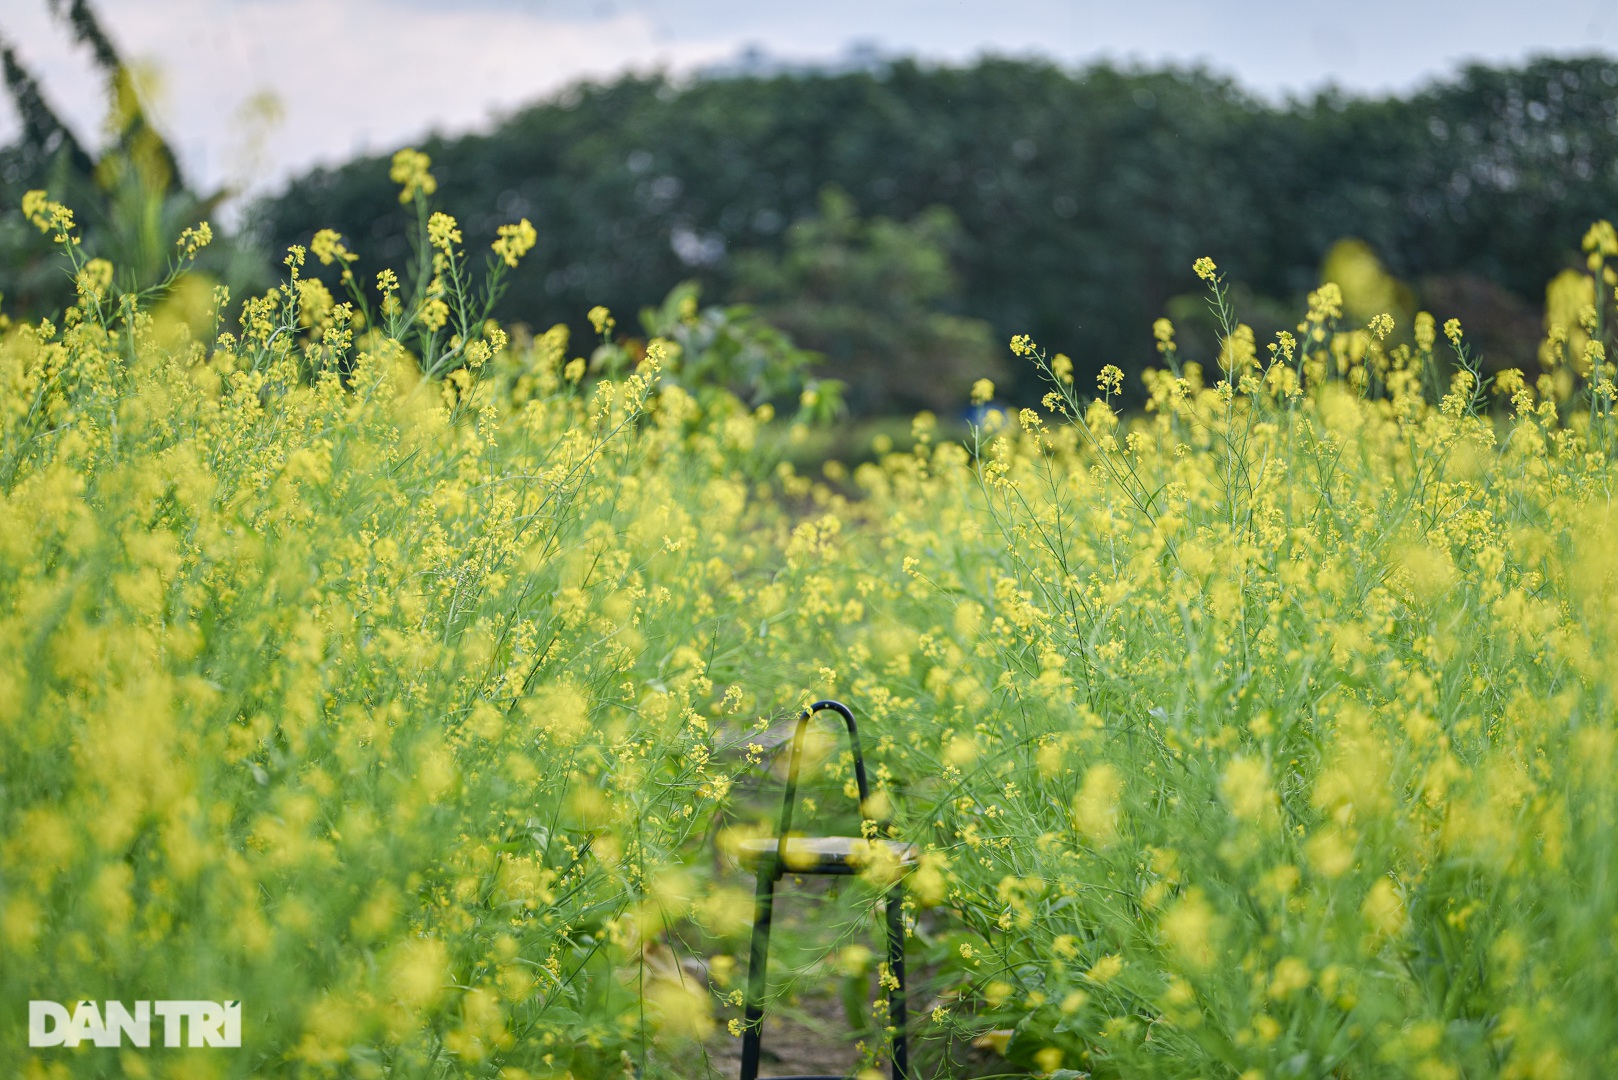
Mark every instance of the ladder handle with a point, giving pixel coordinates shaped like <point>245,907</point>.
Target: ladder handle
<point>797,757</point>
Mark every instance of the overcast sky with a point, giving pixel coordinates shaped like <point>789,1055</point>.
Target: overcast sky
<point>353,75</point>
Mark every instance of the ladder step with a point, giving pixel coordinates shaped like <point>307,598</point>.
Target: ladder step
<point>828,854</point>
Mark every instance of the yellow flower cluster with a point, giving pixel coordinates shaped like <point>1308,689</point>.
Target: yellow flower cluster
<point>1296,703</point>
<point>193,239</point>
<point>327,246</point>
<point>410,172</point>
<point>398,684</point>
<point>48,216</point>
<point>514,241</point>
<point>358,695</point>
<point>443,232</point>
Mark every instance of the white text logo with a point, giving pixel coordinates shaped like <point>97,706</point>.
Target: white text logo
<point>112,1023</point>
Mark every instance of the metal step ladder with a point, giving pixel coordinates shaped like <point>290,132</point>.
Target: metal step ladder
<point>773,858</point>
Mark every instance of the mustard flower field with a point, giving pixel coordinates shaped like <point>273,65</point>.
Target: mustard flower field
<point>411,680</point>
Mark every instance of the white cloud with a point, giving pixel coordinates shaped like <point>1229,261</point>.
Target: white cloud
<point>349,75</point>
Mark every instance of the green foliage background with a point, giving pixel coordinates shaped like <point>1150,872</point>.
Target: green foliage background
<point>1080,196</point>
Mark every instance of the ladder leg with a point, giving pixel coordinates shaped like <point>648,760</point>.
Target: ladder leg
<point>757,961</point>
<point>896,966</point>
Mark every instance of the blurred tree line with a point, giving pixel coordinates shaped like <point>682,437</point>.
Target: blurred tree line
<point>1013,196</point>
<point>904,222</point>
